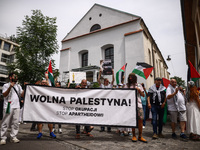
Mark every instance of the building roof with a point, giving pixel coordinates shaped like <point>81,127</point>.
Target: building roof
<point>97,7</point>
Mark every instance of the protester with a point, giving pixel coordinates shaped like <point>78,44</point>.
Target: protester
<point>193,112</point>
<point>176,106</point>
<point>33,126</point>
<point>22,109</point>
<point>50,126</point>
<point>58,84</point>
<point>144,103</point>
<point>132,83</point>
<point>87,128</point>
<point>12,92</point>
<point>156,102</point>
<point>106,85</point>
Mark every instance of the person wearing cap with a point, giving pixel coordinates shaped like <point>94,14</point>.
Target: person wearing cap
<point>156,102</point>
<point>132,83</point>
<point>176,106</point>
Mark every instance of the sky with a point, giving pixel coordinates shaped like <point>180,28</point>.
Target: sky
<point>162,17</point>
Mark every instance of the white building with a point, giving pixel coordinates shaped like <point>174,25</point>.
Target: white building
<point>7,55</point>
<point>106,33</point>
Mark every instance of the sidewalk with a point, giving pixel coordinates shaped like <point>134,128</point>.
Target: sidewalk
<point>100,141</point>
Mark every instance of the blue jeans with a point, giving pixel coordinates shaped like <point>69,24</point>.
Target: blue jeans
<point>157,111</point>
<point>144,111</point>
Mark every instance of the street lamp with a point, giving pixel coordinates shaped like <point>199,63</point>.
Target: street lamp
<point>168,58</point>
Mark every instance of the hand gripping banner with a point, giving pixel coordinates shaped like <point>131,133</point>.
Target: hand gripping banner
<point>101,107</point>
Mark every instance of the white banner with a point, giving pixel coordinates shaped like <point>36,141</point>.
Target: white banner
<point>105,107</point>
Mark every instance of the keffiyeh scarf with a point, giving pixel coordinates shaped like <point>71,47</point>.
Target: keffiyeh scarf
<point>156,91</point>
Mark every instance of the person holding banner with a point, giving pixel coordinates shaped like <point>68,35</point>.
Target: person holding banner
<point>33,126</point>
<point>12,93</point>
<point>87,128</point>
<point>58,84</point>
<point>132,83</point>
<point>45,82</point>
<point>156,102</point>
<point>106,85</point>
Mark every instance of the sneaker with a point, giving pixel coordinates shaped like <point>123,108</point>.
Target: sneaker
<point>60,130</point>
<point>183,136</point>
<point>39,135</point>
<point>142,139</point>
<point>174,135</point>
<point>143,127</point>
<point>14,140</point>
<point>122,134</point>
<point>3,142</point>
<point>134,139</point>
<point>160,135</point>
<point>52,135</point>
<point>155,136</point>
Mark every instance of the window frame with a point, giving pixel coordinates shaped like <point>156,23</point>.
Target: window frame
<point>84,60</point>
<point>110,52</point>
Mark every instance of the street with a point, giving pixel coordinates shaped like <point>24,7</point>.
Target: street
<point>100,141</point>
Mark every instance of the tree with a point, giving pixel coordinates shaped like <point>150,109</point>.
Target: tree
<point>37,40</point>
<point>179,81</point>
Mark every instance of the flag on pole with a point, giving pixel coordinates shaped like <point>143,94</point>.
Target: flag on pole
<point>143,69</point>
<point>192,72</point>
<point>50,74</point>
<point>120,74</point>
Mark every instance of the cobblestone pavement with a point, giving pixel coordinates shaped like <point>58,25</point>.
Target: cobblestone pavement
<point>100,141</point>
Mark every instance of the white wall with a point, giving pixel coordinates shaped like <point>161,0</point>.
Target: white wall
<point>93,43</point>
<point>109,18</point>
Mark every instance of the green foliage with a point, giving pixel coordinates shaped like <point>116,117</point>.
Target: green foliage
<point>95,85</point>
<point>37,40</point>
<point>72,86</point>
<point>179,81</point>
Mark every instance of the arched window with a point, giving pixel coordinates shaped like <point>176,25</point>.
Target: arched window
<point>95,27</point>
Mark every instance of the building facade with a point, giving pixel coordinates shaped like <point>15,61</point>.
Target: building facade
<point>7,55</point>
<point>107,33</point>
<point>191,28</point>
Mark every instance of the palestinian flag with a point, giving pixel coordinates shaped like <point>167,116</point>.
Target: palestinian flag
<point>143,69</point>
<point>192,72</point>
<point>120,74</point>
<point>50,74</point>
<point>166,82</point>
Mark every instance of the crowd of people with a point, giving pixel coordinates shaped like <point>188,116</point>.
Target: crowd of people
<point>182,105</point>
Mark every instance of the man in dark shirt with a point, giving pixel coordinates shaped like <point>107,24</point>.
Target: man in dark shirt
<point>156,102</point>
